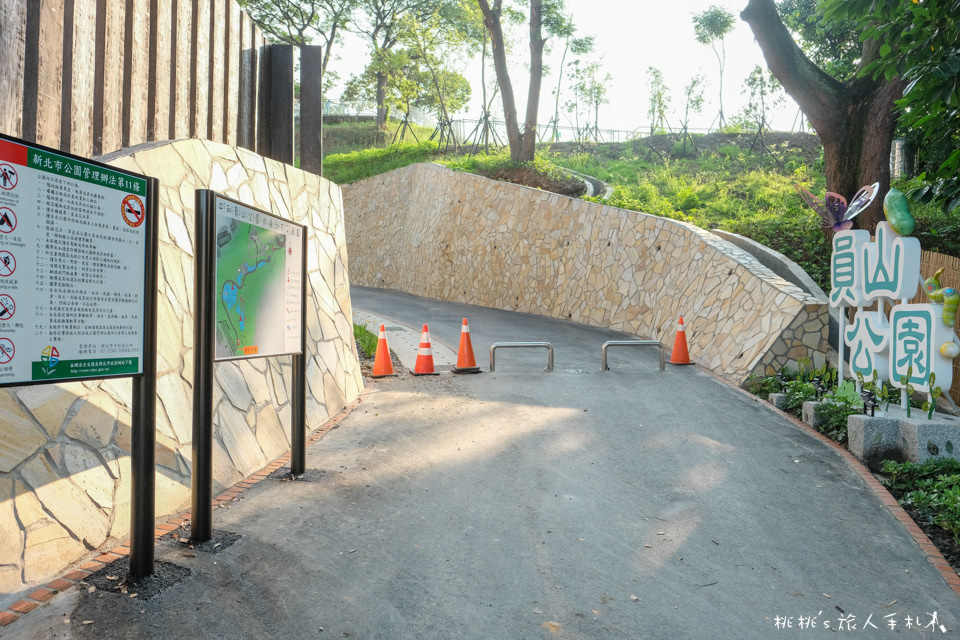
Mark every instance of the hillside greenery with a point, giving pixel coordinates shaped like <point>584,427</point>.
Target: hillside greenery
<point>723,186</point>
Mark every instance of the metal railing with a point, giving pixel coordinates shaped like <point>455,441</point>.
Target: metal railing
<point>521,345</point>
<point>629,343</point>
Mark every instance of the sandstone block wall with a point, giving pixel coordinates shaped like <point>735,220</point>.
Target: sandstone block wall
<point>433,232</point>
<point>64,449</point>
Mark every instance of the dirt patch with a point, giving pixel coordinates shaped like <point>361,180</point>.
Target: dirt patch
<point>573,187</point>
<point>284,474</point>
<point>115,578</point>
<point>366,363</point>
<point>219,540</point>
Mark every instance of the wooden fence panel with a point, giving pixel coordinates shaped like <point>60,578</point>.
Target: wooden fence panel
<point>929,263</point>
<point>13,29</point>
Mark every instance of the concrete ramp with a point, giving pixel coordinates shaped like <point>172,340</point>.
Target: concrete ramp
<point>523,504</point>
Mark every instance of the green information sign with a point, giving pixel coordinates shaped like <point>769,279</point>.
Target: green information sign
<point>73,247</point>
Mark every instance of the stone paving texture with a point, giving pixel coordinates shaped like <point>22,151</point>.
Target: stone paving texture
<point>64,449</point>
<point>520,504</point>
<point>430,231</point>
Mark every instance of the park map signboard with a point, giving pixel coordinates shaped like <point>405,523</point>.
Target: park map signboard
<point>72,266</point>
<point>257,282</point>
<point>249,288</point>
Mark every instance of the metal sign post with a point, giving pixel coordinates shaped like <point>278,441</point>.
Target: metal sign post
<point>298,395</point>
<point>79,234</point>
<point>250,303</point>
<point>144,411</point>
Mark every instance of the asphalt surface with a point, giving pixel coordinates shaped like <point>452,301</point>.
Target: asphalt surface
<point>520,504</point>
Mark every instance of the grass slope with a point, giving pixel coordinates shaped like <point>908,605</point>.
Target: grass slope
<point>720,184</point>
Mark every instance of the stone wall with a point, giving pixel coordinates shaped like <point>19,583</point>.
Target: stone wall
<point>64,449</point>
<point>91,77</point>
<point>433,232</point>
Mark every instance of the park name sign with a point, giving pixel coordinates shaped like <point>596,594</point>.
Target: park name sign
<point>73,246</point>
<point>912,339</point>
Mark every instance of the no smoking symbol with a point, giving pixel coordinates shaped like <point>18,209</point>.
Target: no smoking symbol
<point>8,176</point>
<point>132,211</point>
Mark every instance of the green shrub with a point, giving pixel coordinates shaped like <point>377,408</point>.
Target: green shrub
<point>762,386</point>
<point>905,476</point>
<point>931,488</point>
<point>798,392</point>
<point>365,340</point>
<point>831,417</point>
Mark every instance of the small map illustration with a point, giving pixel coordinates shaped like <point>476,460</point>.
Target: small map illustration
<point>250,289</point>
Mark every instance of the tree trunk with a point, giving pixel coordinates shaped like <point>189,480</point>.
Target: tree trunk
<point>491,18</point>
<point>381,102</point>
<point>854,119</point>
<point>529,148</point>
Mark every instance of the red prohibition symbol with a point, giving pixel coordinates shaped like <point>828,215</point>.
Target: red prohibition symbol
<point>8,176</point>
<point>132,211</point>
<point>7,307</point>
<point>8,220</point>
<point>6,350</point>
<point>8,264</point>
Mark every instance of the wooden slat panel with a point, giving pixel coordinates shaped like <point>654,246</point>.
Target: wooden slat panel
<point>136,71</point>
<point>231,94</point>
<point>49,72</point>
<point>930,262</point>
<point>216,66</point>
<point>82,77</point>
<point>200,85</point>
<point>162,25</point>
<point>13,33</point>
<point>180,93</point>
<point>108,88</point>
<point>246,114</point>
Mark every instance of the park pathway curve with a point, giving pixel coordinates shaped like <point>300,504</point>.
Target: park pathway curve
<point>522,504</point>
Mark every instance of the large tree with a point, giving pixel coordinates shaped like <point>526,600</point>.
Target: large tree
<point>438,41</point>
<point>921,42</point>
<point>854,117</point>
<point>381,22</point>
<point>544,16</point>
<point>300,22</point>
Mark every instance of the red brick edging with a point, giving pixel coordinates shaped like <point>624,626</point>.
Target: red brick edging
<point>44,594</point>
<point>933,554</point>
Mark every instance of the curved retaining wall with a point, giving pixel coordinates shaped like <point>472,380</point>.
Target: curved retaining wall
<point>430,231</point>
<point>64,449</point>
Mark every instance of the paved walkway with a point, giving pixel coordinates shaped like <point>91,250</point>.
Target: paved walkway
<point>522,504</point>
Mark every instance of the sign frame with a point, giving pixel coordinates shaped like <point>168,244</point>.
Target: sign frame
<point>303,272</point>
<point>151,195</point>
<point>204,352</point>
<point>143,405</point>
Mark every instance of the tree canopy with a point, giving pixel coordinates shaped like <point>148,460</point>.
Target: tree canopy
<point>711,27</point>
<point>919,42</point>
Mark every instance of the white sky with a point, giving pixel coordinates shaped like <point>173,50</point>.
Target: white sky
<point>631,35</point>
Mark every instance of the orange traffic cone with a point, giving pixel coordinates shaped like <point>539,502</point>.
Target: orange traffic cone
<point>424,365</point>
<point>382,364</point>
<point>680,355</point>
<point>466,363</point>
